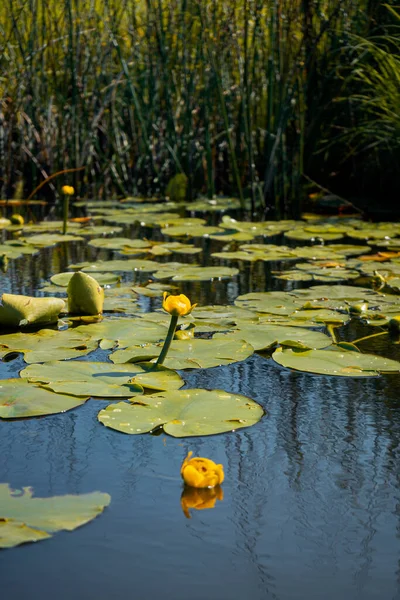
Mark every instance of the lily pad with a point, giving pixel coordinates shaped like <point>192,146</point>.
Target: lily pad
<point>19,398</point>
<point>123,332</point>
<point>100,379</point>
<point>24,518</point>
<point>189,354</point>
<point>336,361</point>
<point>19,311</point>
<point>63,279</point>
<point>195,273</point>
<point>189,232</point>
<point>120,243</point>
<point>50,239</point>
<point>47,344</point>
<point>262,337</point>
<point>184,413</point>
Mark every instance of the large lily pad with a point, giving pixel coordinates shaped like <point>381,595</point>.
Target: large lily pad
<point>43,240</point>
<point>147,266</point>
<point>184,413</point>
<point>189,354</point>
<point>63,279</point>
<point>19,398</point>
<point>195,273</point>
<point>27,519</point>
<point>120,243</point>
<point>100,379</point>
<point>124,332</point>
<point>262,337</point>
<point>189,232</point>
<point>47,344</point>
<point>335,361</point>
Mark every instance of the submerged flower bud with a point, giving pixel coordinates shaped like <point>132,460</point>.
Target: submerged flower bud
<point>201,472</point>
<point>177,306</point>
<point>68,190</point>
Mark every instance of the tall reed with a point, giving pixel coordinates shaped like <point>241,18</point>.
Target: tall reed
<point>230,93</point>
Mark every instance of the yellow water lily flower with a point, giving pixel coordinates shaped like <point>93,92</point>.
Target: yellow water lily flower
<point>200,499</point>
<point>201,472</point>
<point>68,190</point>
<point>177,306</point>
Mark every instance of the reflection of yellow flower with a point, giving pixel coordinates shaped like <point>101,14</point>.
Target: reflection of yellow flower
<point>177,306</point>
<point>201,472</point>
<point>200,499</point>
<point>68,190</point>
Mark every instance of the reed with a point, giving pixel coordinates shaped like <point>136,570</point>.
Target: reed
<point>234,94</point>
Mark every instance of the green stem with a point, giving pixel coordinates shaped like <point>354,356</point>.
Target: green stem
<point>168,340</point>
<point>65,216</point>
<point>331,331</point>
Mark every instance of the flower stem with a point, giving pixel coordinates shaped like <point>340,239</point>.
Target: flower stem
<point>66,210</point>
<point>168,340</point>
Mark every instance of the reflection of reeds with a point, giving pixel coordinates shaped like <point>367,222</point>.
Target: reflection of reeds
<point>136,91</point>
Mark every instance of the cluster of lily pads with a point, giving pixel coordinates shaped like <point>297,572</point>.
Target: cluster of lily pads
<point>297,328</point>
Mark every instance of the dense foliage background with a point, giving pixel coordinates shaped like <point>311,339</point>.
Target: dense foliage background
<point>251,98</point>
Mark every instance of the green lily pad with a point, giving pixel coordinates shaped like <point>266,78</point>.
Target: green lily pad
<point>24,518</point>
<point>19,398</point>
<point>215,205</point>
<point>305,235</point>
<point>120,243</point>
<point>142,218</point>
<point>50,239</point>
<point>13,533</point>
<point>184,413</point>
<point>63,279</point>
<point>195,273</point>
<point>189,354</point>
<point>275,303</point>
<point>263,336</point>
<point>47,344</point>
<point>124,332</point>
<point>335,361</point>
<point>99,230</point>
<point>16,250</point>
<point>19,311</point>
<point>106,266</point>
<point>189,232</point>
<point>103,380</point>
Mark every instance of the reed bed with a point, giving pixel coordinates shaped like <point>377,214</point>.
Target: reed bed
<point>234,94</point>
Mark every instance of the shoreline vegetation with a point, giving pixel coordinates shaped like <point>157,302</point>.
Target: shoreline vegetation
<point>265,100</point>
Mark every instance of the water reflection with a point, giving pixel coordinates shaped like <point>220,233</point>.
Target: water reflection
<point>199,499</point>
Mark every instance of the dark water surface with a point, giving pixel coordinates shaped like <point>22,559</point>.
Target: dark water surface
<point>311,506</point>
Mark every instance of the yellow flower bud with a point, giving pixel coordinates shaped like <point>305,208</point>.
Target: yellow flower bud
<point>201,472</point>
<point>177,306</point>
<point>68,190</point>
<point>17,219</point>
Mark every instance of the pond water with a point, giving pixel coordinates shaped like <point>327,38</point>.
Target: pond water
<point>311,499</point>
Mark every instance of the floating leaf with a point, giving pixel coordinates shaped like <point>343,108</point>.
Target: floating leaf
<point>13,533</point>
<point>262,337</point>
<point>50,239</point>
<point>16,310</point>
<point>183,413</point>
<point>19,398</point>
<point>189,232</point>
<point>100,379</point>
<point>63,279</point>
<point>335,361</point>
<point>124,332</point>
<point>47,344</point>
<point>195,273</point>
<point>26,519</point>
<point>189,354</point>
